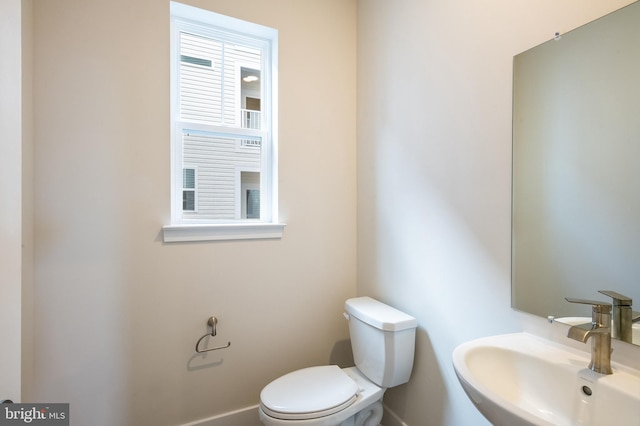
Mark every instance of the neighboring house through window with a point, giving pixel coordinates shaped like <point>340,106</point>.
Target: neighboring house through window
<point>189,189</point>
<point>223,113</point>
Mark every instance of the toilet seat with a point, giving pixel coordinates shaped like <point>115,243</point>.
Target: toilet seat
<point>309,393</point>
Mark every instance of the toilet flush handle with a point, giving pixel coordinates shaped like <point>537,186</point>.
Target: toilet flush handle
<point>346,315</point>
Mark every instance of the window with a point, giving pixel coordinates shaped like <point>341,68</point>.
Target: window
<point>223,122</point>
<point>189,189</point>
<point>250,194</point>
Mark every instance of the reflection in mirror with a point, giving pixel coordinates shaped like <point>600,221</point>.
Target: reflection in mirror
<point>576,177</point>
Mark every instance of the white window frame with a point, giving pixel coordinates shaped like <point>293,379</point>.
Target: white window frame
<point>181,229</point>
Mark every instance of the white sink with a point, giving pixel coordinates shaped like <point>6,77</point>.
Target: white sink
<point>520,379</point>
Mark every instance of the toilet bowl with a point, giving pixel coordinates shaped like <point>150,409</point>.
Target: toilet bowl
<point>382,340</point>
<point>321,396</point>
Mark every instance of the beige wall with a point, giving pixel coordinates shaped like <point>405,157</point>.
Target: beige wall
<point>116,312</point>
<point>434,173</point>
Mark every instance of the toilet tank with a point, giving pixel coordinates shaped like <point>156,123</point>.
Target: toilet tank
<point>382,339</point>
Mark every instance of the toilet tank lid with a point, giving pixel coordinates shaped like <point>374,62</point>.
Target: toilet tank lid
<point>379,315</point>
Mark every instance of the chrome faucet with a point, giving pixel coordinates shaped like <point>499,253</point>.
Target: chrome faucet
<point>622,316</point>
<point>600,333</point>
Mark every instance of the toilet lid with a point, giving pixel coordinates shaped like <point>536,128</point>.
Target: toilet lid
<point>309,393</point>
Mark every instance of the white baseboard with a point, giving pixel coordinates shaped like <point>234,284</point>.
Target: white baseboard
<point>389,418</point>
<point>249,417</point>
<point>244,417</point>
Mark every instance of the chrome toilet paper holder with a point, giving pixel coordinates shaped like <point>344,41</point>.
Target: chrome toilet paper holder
<point>212,322</point>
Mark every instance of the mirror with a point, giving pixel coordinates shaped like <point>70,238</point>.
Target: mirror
<point>576,177</point>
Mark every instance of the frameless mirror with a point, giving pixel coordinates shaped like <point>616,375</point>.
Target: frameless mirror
<point>576,178</point>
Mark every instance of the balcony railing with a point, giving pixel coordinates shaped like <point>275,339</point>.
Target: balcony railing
<point>251,119</point>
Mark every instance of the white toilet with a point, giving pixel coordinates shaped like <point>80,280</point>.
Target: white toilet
<point>382,340</point>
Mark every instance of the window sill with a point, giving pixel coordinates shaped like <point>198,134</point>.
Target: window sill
<point>240,231</point>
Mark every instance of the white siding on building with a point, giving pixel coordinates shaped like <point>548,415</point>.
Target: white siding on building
<point>200,85</point>
<point>217,160</point>
<point>210,93</point>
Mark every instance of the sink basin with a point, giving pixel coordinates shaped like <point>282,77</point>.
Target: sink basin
<point>635,328</point>
<point>521,379</point>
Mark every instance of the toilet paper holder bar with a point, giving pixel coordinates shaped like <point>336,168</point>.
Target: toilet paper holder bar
<point>212,322</point>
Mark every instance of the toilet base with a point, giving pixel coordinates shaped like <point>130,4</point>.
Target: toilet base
<point>370,416</point>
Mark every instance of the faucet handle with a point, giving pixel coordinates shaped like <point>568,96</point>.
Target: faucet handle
<point>598,307</point>
<point>618,299</point>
